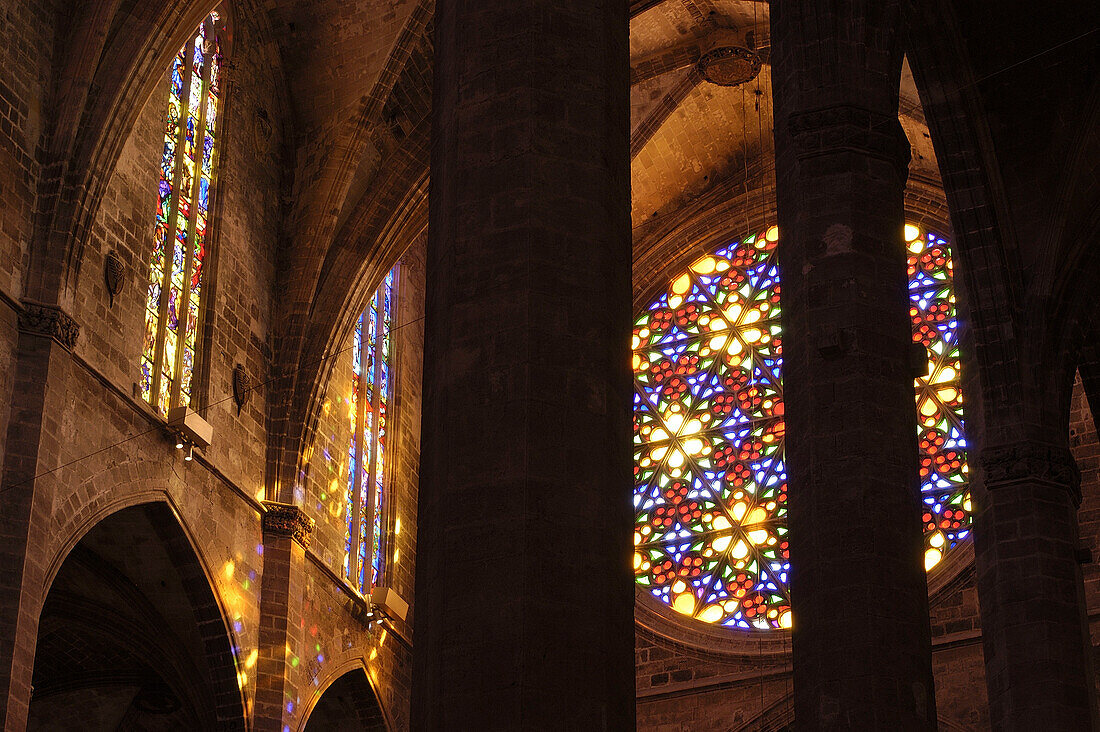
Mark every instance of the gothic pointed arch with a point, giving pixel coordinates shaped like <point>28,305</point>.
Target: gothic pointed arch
<point>348,703</point>
<point>132,633</point>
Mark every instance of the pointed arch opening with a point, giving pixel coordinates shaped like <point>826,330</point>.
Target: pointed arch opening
<point>349,704</point>
<point>131,635</point>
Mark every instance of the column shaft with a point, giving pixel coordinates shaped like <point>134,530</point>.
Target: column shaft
<point>861,639</point>
<point>524,595</point>
<point>286,533</point>
<point>33,449</point>
<point>1034,630</point>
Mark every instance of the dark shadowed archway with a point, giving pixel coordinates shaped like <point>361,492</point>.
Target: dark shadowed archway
<point>348,705</point>
<point>131,635</point>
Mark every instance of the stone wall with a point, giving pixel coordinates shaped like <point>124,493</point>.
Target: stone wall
<point>115,452</point>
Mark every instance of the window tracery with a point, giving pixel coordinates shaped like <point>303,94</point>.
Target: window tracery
<point>370,424</point>
<point>174,299</point>
<point>710,481</point>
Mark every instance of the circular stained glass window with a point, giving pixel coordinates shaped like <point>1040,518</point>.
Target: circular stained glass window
<point>710,491</point>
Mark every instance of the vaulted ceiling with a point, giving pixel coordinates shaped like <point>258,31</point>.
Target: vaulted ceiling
<point>334,52</point>
<point>688,135</point>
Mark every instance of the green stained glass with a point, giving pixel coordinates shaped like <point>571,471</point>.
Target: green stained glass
<point>710,494</point>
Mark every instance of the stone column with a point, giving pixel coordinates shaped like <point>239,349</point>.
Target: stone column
<point>524,593</point>
<point>33,449</point>
<point>861,639</point>
<point>286,532</point>
<point>1034,631</point>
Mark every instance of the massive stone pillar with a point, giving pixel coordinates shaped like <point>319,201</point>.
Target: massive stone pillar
<point>861,640</point>
<point>524,594</point>
<point>286,533</point>
<point>1034,631</point>
<point>33,451</point>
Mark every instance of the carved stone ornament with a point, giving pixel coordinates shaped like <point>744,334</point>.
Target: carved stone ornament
<point>242,387</point>
<point>1027,462</point>
<point>49,321</point>
<point>285,519</point>
<point>113,271</point>
<point>847,127</point>
<point>262,131</point>
<point>729,65</point>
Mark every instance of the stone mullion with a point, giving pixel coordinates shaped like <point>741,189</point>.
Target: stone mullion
<point>33,449</point>
<point>170,238</point>
<point>367,512</point>
<point>525,502</point>
<point>1034,629</point>
<point>861,638</point>
<point>356,479</point>
<point>183,308</point>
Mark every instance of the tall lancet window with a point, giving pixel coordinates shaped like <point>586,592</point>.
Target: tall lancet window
<point>370,422</point>
<point>173,304</point>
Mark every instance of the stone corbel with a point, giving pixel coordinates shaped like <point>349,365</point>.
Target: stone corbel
<point>1028,462</point>
<point>285,519</point>
<point>49,321</point>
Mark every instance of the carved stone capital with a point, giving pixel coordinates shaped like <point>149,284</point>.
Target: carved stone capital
<point>848,128</point>
<point>49,321</point>
<point>1028,462</point>
<point>284,519</point>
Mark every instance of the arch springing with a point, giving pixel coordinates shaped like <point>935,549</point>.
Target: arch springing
<point>173,303</point>
<point>710,491</point>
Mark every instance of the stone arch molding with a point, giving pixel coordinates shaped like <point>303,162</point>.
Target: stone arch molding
<point>357,667</point>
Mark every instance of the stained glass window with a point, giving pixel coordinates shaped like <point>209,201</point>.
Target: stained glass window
<point>369,415</point>
<point>710,492</point>
<point>172,306</point>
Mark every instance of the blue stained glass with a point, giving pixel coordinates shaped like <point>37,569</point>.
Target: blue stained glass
<point>710,481</point>
<point>161,321</point>
<point>370,356</point>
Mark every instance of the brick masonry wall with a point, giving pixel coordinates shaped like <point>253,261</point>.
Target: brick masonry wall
<point>223,527</point>
<point>216,496</point>
<point>327,476</point>
<point>1085,444</point>
<point>26,58</point>
<point>8,336</point>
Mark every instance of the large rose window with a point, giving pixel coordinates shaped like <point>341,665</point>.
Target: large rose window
<point>710,492</point>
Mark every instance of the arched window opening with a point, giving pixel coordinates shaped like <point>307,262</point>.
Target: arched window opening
<point>173,305</point>
<point>710,491</point>
<point>370,420</point>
